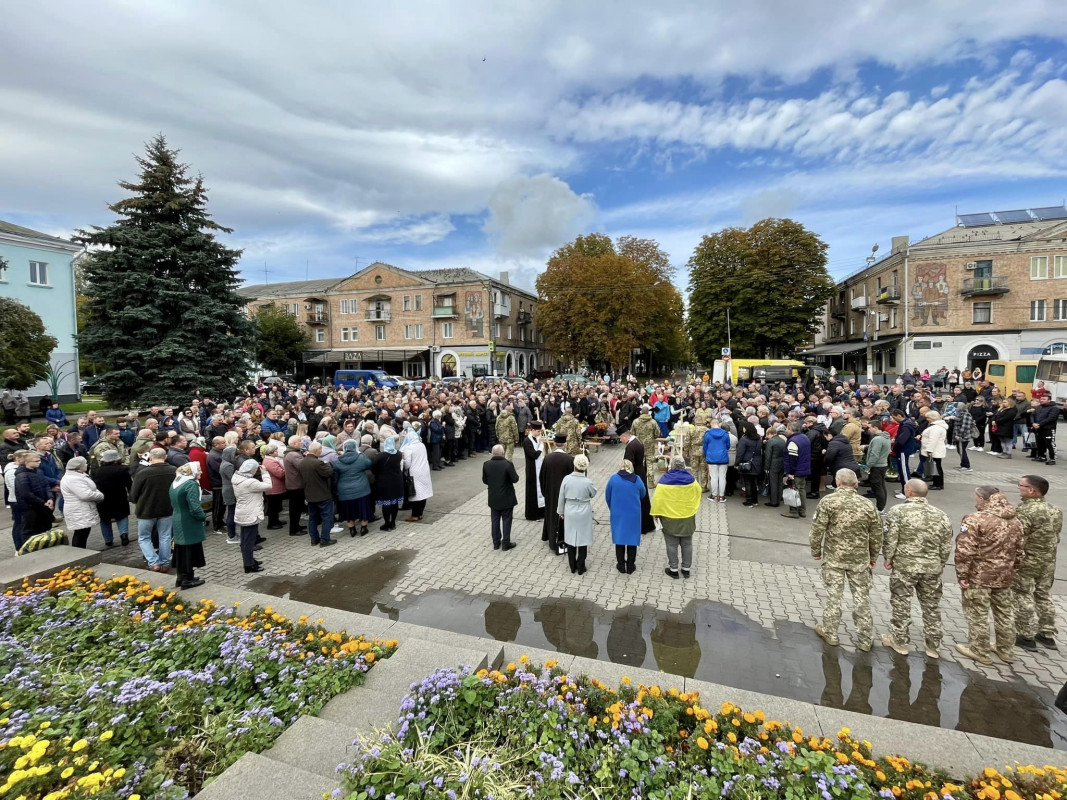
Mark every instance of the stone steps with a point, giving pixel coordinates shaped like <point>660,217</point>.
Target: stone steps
<point>254,777</point>
<point>315,745</point>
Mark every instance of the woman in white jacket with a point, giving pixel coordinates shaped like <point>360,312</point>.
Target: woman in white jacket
<point>250,483</point>
<point>933,447</point>
<point>80,497</point>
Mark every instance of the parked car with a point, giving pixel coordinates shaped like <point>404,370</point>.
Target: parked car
<point>92,386</point>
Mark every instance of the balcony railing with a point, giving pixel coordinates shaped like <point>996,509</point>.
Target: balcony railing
<point>317,318</point>
<point>501,309</point>
<point>988,285</point>
<point>888,295</point>
<point>859,303</point>
<point>374,315</point>
<point>837,311</point>
<point>524,318</point>
<point>444,312</point>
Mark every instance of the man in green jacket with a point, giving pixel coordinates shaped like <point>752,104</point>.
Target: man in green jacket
<point>877,463</point>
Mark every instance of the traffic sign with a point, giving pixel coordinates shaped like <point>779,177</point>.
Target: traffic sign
<point>726,358</point>
<point>726,352</point>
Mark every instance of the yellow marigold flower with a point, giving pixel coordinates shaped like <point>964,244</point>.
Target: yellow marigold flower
<point>135,797</point>
<point>524,659</point>
<point>42,727</point>
<point>1011,794</point>
<point>510,667</point>
<point>732,737</point>
<point>750,718</point>
<point>66,773</point>
<point>626,680</point>
<point>119,772</point>
<point>79,745</point>
<point>798,737</point>
<point>844,733</point>
<point>880,775</point>
<point>551,663</point>
<point>702,743</point>
<point>989,772</point>
<point>369,658</point>
<point>727,708</point>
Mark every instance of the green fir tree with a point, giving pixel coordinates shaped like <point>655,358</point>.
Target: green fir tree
<point>164,316</point>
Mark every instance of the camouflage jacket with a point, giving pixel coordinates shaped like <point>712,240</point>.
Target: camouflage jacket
<point>918,537</point>
<point>694,444</point>
<point>846,531</point>
<point>989,549</point>
<point>507,429</point>
<point>569,426</point>
<point>1041,523</point>
<point>102,447</point>
<point>646,429</point>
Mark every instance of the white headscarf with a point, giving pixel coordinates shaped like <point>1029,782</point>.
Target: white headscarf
<point>187,472</point>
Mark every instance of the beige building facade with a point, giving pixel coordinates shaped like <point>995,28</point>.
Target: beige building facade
<point>994,286</point>
<point>411,323</point>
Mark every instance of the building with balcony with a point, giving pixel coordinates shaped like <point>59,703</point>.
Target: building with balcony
<point>412,323</point>
<point>993,286</point>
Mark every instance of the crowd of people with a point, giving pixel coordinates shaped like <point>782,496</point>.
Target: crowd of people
<point>345,458</point>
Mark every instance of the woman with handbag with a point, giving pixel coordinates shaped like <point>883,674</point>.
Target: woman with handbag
<point>417,468</point>
<point>1003,426</point>
<point>933,448</point>
<point>750,461</point>
<point>389,483</point>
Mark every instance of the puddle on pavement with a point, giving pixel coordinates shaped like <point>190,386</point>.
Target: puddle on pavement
<point>709,641</point>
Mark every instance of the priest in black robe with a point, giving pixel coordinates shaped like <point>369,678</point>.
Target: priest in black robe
<point>635,454</point>
<point>556,466</point>
<point>533,449</point>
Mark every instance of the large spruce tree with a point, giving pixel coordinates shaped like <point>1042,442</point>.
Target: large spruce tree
<point>163,312</point>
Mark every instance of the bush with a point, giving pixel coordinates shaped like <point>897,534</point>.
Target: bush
<point>119,689</point>
<point>539,733</point>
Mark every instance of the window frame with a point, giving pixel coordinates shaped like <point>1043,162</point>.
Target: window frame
<point>406,302</point>
<point>1059,309</point>
<point>418,330</point>
<point>37,268</point>
<point>985,305</point>
<point>379,333</point>
<point>1034,261</point>
<point>447,331</point>
<point>408,331</point>
<point>344,335</point>
<point>1038,310</point>
<point>418,302</point>
<point>320,336</point>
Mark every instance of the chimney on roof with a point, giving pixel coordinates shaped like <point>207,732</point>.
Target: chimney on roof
<point>504,279</point>
<point>900,243</point>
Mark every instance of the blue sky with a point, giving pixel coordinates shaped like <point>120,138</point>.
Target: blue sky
<point>486,135</point>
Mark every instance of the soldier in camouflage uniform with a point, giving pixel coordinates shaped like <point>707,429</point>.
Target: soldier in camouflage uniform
<point>846,535</point>
<point>694,449</point>
<point>570,427</point>
<point>646,430</point>
<point>918,543</point>
<point>989,551</point>
<point>1035,614</point>
<point>507,431</point>
<point>109,441</point>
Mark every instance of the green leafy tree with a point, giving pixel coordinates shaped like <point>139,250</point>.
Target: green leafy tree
<point>280,339</point>
<point>773,279</point>
<point>163,315</point>
<point>25,348</point>
<point>601,299</point>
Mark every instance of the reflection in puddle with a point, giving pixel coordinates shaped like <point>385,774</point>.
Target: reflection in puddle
<point>709,641</point>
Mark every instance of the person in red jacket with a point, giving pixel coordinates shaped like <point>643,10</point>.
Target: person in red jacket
<point>198,452</point>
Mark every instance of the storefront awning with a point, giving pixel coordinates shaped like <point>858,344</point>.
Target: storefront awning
<point>394,353</point>
<point>834,349</point>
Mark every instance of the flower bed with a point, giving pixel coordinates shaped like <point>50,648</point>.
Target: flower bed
<point>119,689</point>
<point>539,733</point>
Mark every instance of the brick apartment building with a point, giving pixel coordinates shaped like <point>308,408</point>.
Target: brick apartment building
<point>414,323</point>
<point>994,286</point>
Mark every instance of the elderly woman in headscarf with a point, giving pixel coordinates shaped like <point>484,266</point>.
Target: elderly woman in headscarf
<point>750,460</point>
<point>80,497</point>
<point>389,482</point>
<point>417,465</point>
<point>353,488</point>
<point>188,526</point>
<point>623,495</point>
<point>275,467</point>
<point>249,485</point>
<point>575,508</point>
<point>675,505</point>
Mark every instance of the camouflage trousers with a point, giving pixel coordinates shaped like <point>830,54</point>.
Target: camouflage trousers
<point>509,449</point>
<point>1032,593</point>
<point>902,585</point>
<point>700,470</point>
<point>859,582</point>
<point>977,602</point>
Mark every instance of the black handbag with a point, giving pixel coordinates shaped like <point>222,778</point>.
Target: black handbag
<point>409,486</point>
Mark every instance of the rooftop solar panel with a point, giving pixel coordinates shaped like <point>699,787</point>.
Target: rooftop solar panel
<point>976,220</point>
<point>1050,212</point>
<point>1009,217</point>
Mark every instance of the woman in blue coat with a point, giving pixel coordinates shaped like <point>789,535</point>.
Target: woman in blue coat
<point>623,495</point>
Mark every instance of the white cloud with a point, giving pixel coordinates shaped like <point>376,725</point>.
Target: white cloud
<point>529,216</point>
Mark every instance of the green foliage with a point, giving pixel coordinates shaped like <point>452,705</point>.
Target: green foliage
<point>162,312</point>
<point>773,279</point>
<point>600,300</point>
<point>25,348</point>
<point>280,339</point>
<point>115,687</point>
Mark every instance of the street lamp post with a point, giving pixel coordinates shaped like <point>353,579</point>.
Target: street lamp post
<point>867,319</point>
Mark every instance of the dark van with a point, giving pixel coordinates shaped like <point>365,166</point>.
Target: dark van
<point>350,378</point>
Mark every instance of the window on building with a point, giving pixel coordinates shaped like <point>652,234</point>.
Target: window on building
<point>496,330</point>
<point>418,302</point>
<point>344,307</point>
<point>3,272</point>
<point>1038,267</point>
<point>1059,308</point>
<point>1037,310</point>
<point>981,313</point>
<point>921,345</point>
<point>320,336</point>
<point>344,334</point>
<point>892,318</point>
<point>509,332</point>
<point>379,333</point>
<point>407,302</point>
<point>446,330</point>
<point>407,331</point>
<point>891,359</point>
<point>1059,267</point>
<point>852,326</point>
<point>418,331</point>
<point>38,273</point>
<point>294,309</point>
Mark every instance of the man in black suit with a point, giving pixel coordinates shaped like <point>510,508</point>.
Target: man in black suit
<point>556,466</point>
<point>500,476</point>
<point>635,454</point>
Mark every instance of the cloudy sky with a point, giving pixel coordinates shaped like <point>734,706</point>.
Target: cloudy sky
<point>483,134</point>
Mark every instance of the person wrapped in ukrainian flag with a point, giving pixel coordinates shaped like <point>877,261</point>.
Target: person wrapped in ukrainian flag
<point>675,505</point>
